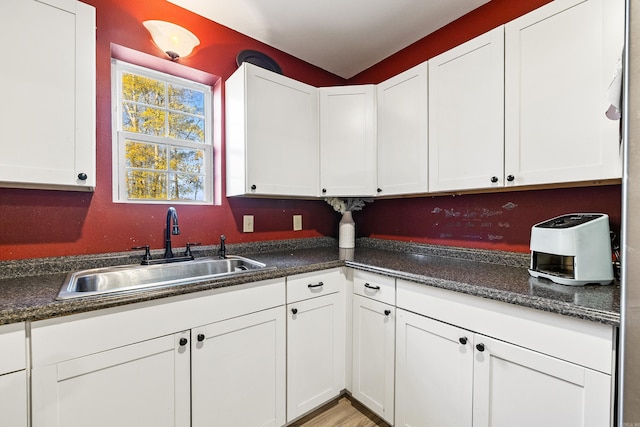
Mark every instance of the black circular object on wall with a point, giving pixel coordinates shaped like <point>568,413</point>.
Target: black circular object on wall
<point>258,58</point>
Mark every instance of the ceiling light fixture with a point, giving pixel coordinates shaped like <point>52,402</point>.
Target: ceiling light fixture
<point>171,38</point>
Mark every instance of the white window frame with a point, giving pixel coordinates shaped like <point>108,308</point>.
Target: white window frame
<point>119,136</point>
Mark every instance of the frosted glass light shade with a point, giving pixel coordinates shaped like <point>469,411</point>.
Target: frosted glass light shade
<point>171,38</point>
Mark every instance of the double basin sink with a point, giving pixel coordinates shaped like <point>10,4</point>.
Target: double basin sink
<point>136,278</point>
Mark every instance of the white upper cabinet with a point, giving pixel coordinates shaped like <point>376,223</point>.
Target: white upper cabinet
<point>402,133</point>
<point>348,141</point>
<point>272,134</point>
<point>560,60</point>
<point>466,115</point>
<point>47,116</point>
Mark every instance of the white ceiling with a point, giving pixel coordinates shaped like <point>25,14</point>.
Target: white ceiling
<point>343,37</point>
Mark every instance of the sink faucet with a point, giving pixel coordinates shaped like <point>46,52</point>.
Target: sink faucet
<point>171,215</point>
<point>222,252</point>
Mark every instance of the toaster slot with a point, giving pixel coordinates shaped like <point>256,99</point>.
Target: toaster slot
<point>553,264</point>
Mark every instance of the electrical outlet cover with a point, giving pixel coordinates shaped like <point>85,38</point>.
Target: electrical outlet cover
<point>247,223</point>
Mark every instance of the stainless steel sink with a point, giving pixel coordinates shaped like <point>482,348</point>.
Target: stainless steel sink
<point>130,278</point>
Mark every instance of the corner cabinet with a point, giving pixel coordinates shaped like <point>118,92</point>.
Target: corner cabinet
<point>48,117</point>
<point>466,115</point>
<point>560,61</point>
<point>403,113</point>
<point>347,141</point>
<point>13,376</point>
<point>271,134</point>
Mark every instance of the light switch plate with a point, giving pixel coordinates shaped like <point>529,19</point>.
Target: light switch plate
<point>247,223</point>
<point>297,222</point>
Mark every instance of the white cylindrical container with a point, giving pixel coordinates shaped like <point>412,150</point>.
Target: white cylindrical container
<point>347,231</point>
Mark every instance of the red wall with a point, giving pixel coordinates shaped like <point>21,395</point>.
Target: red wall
<point>36,223</point>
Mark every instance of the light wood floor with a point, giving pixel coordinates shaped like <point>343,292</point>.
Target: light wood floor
<point>341,413</point>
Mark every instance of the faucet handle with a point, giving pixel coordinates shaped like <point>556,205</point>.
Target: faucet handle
<point>187,252</point>
<point>147,253</point>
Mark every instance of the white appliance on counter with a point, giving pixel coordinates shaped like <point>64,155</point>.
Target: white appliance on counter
<point>573,249</point>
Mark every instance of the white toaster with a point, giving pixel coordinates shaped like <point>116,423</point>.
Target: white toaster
<point>573,249</point>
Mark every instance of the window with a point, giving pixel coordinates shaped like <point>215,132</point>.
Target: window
<point>162,148</point>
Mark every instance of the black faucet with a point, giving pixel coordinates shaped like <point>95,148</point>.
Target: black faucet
<point>175,230</point>
<point>222,252</point>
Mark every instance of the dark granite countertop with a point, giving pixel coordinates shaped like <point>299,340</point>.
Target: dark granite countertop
<point>29,288</point>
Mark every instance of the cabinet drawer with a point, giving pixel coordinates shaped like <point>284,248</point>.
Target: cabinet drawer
<point>311,285</point>
<point>375,286</point>
<point>12,343</point>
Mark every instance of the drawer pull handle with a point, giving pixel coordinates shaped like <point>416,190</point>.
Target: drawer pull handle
<point>463,340</point>
<point>480,347</point>
<point>387,312</point>
<point>200,337</point>
<point>375,288</point>
<point>183,341</point>
<point>294,310</point>
<point>317,285</point>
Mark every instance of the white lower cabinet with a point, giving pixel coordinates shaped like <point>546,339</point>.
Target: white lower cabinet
<point>127,366</point>
<point>434,372</point>
<point>484,363</point>
<point>13,376</point>
<point>448,376</point>
<point>373,355</point>
<point>517,386</point>
<point>236,363</point>
<point>267,353</point>
<point>315,341</point>
<point>142,384</point>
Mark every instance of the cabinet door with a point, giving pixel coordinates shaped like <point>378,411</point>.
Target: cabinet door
<point>374,355</point>
<point>13,399</point>
<point>315,353</point>
<point>13,377</point>
<point>560,60</point>
<point>402,133</point>
<point>434,372</point>
<point>517,386</point>
<point>466,115</point>
<point>48,111</point>
<point>272,134</point>
<point>238,371</point>
<point>347,141</point>
<point>142,384</point>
